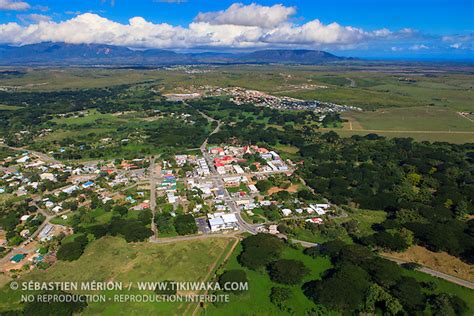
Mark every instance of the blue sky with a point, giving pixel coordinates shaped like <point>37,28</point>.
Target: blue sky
<point>364,28</point>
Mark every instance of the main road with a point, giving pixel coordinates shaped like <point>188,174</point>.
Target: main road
<point>151,170</point>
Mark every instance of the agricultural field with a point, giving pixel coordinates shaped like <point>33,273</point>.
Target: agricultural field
<point>112,259</point>
<point>430,123</point>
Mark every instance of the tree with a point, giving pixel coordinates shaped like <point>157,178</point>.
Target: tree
<point>343,291</point>
<point>288,271</point>
<point>376,295</point>
<point>409,293</point>
<point>185,224</point>
<point>447,305</point>
<point>164,223</point>
<point>384,272</point>
<point>263,185</point>
<point>72,250</point>
<point>120,209</point>
<point>231,278</point>
<point>279,295</point>
<point>259,250</point>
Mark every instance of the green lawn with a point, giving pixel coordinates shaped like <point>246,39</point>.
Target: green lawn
<point>256,301</point>
<point>365,218</point>
<point>4,107</point>
<point>91,117</point>
<point>112,259</point>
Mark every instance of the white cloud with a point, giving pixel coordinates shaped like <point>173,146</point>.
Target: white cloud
<point>396,49</point>
<point>248,15</point>
<point>33,18</point>
<point>418,47</point>
<point>239,26</point>
<point>13,5</point>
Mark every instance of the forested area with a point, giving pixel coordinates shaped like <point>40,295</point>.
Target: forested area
<point>427,189</point>
<point>363,282</point>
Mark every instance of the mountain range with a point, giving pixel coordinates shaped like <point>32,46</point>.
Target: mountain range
<point>99,54</point>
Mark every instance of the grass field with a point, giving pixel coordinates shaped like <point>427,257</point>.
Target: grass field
<point>257,300</point>
<point>4,107</point>
<point>365,218</point>
<point>409,119</point>
<point>421,123</point>
<point>112,259</point>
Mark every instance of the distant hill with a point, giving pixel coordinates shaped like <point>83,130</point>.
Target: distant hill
<point>99,54</point>
<point>290,56</point>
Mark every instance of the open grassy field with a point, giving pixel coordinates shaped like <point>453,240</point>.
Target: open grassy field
<point>365,218</point>
<point>4,107</point>
<point>409,119</point>
<point>257,298</point>
<point>431,123</point>
<point>112,259</point>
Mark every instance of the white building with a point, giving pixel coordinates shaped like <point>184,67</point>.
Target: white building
<point>222,221</point>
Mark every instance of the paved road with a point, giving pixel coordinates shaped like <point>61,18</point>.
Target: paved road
<point>438,274</point>
<point>152,195</point>
<point>38,154</point>
<point>193,237</point>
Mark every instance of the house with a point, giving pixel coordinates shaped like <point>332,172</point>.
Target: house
<point>57,209</point>
<point>70,189</point>
<point>273,229</point>
<point>24,218</point>
<point>286,212</point>
<point>49,204</point>
<point>238,169</point>
<point>88,184</point>
<point>23,159</point>
<point>48,176</point>
<point>234,181</point>
<point>253,188</point>
<point>216,151</point>
<point>220,170</point>
<point>315,220</point>
<point>46,233</point>
<point>171,197</point>
<point>17,258</point>
<point>318,209</point>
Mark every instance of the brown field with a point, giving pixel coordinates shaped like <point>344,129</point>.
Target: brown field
<point>292,189</point>
<point>439,261</point>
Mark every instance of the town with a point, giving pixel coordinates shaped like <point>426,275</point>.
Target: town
<point>222,189</point>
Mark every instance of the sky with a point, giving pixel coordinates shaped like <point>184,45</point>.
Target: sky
<point>417,29</point>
